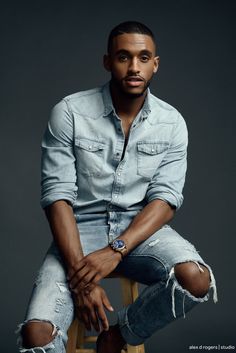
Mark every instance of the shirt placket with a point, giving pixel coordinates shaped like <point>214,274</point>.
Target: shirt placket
<point>119,166</point>
<point>113,206</point>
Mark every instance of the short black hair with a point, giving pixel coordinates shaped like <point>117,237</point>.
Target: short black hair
<point>128,27</point>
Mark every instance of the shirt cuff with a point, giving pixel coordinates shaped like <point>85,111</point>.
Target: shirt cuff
<point>171,199</point>
<point>49,199</point>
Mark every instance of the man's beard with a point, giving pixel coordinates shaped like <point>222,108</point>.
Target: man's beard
<point>118,84</point>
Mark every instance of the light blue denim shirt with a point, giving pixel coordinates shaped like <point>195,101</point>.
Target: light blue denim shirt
<point>82,154</point>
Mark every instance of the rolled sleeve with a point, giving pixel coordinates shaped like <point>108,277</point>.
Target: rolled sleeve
<point>58,172</point>
<point>168,181</point>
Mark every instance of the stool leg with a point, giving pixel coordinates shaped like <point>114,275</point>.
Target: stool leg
<point>129,294</point>
<point>77,339</point>
<point>72,337</point>
<point>80,335</point>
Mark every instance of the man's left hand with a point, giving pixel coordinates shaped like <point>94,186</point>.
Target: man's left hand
<point>92,268</point>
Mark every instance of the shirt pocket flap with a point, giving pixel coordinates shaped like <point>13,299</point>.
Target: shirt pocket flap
<point>152,148</point>
<point>89,145</point>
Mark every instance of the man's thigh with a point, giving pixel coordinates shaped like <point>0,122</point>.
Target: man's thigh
<point>153,259</point>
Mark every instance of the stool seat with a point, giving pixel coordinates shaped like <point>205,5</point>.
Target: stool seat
<point>77,337</point>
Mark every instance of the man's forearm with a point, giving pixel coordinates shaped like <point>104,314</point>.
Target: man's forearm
<point>148,221</point>
<point>65,232</point>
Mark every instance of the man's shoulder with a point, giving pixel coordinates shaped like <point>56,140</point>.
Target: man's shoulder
<point>89,93</point>
<point>87,102</point>
<point>163,112</point>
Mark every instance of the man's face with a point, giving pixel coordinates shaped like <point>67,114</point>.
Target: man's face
<point>132,63</point>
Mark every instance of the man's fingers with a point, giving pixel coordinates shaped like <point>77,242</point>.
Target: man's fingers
<point>92,308</point>
<point>106,302</point>
<point>83,316</point>
<point>86,280</point>
<point>79,266</point>
<point>78,277</point>
<point>86,321</point>
<point>82,279</point>
<point>96,279</point>
<point>94,320</point>
<point>102,317</point>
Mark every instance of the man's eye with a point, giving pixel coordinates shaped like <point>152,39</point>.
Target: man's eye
<point>144,58</point>
<point>123,58</point>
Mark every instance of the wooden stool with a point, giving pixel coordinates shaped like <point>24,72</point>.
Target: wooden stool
<point>76,332</point>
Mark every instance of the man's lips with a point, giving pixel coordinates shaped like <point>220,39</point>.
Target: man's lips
<point>133,81</point>
<point>133,78</point>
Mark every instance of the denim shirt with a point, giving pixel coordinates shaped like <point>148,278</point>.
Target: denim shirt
<point>82,151</point>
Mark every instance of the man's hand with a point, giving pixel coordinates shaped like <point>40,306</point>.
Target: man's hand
<point>92,268</point>
<point>90,307</point>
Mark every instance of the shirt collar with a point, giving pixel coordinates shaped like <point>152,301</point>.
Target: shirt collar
<point>108,105</point>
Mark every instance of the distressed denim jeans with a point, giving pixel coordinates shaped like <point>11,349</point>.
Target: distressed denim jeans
<point>151,263</point>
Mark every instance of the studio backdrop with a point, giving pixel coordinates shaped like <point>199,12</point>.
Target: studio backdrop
<point>52,49</point>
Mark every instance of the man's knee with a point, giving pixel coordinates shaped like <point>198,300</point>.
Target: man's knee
<point>190,277</point>
<point>37,334</point>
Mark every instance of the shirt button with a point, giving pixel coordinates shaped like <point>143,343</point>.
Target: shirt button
<point>117,154</point>
<point>90,147</point>
<point>116,196</point>
<point>118,174</point>
<point>152,149</point>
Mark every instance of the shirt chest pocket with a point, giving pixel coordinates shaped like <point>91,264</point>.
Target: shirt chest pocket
<point>149,157</point>
<point>90,156</point>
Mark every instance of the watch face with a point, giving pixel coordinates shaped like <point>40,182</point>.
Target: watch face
<point>118,244</point>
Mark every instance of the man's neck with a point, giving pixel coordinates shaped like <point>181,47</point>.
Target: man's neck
<point>126,107</point>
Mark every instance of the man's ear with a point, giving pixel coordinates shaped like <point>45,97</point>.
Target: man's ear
<point>106,62</point>
<point>156,64</point>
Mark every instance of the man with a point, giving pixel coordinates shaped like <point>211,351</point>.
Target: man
<point>113,170</point>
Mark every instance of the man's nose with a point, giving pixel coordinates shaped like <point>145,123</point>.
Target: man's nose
<point>134,66</point>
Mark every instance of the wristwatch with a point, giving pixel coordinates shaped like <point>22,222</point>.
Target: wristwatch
<point>119,246</point>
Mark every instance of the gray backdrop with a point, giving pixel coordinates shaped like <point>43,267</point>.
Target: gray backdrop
<point>51,49</point>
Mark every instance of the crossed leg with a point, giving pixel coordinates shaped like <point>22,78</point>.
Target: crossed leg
<point>189,276</point>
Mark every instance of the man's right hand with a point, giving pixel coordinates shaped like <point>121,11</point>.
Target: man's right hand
<point>90,304</point>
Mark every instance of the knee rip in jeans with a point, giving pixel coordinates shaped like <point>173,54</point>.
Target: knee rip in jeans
<point>55,331</point>
<point>185,292</point>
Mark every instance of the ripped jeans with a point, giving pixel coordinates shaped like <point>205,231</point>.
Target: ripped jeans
<point>151,263</point>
